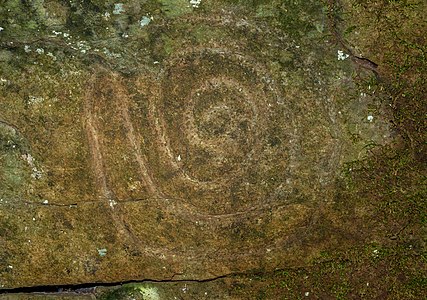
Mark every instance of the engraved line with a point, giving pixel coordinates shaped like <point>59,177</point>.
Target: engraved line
<point>139,156</point>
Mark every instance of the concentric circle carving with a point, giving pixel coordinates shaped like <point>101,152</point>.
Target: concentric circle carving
<point>210,128</point>
<point>221,123</point>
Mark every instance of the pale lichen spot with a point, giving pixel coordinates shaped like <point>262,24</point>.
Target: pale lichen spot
<point>118,8</point>
<point>342,55</point>
<point>195,3</point>
<point>145,20</point>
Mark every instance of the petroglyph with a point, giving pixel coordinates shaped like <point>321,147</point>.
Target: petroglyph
<point>203,143</point>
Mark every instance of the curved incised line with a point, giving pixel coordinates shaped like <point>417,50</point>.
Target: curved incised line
<point>159,122</point>
<point>104,192</point>
<point>164,142</point>
<point>243,60</point>
<point>190,122</point>
<point>123,106</point>
<point>95,149</point>
<point>183,208</point>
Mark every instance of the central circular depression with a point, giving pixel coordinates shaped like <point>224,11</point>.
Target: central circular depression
<point>219,130</point>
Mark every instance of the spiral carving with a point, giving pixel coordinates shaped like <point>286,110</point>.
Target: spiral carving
<point>212,131</point>
<point>219,126</point>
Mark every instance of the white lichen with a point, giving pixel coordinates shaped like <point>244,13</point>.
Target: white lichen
<point>111,54</point>
<point>375,253</point>
<point>35,99</point>
<point>50,54</point>
<point>36,173</point>
<point>342,55</point>
<point>29,159</point>
<point>112,203</point>
<point>145,20</point>
<point>82,46</point>
<point>102,252</point>
<point>195,3</point>
<point>118,8</point>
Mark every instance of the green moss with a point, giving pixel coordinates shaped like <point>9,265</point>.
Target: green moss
<point>132,291</point>
<point>204,33</point>
<point>175,8</point>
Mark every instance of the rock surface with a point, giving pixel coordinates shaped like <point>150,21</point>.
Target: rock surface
<point>172,140</point>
